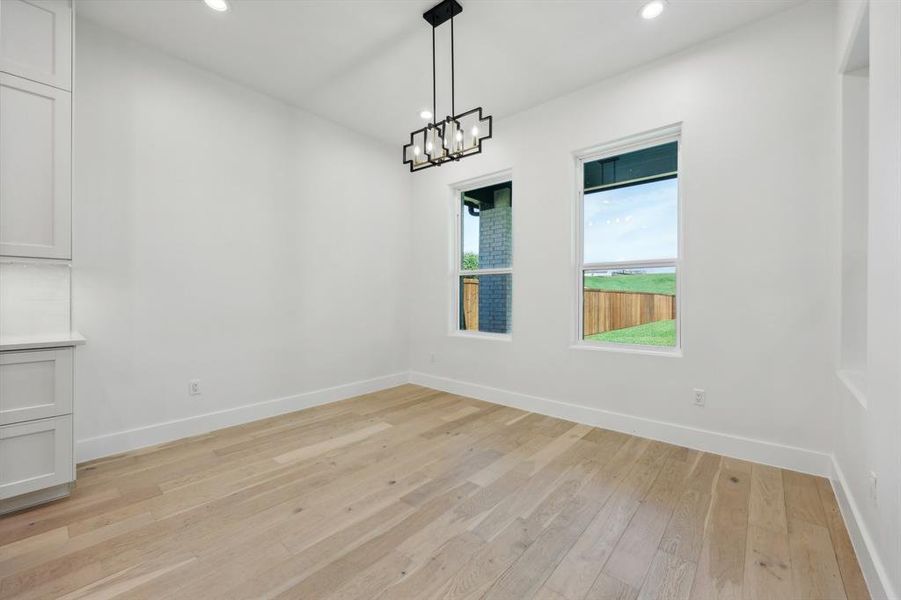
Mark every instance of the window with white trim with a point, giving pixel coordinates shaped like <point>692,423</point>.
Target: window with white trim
<point>629,245</point>
<point>484,259</point>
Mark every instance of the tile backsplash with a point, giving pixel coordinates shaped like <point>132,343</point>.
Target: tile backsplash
<point>34,298</point>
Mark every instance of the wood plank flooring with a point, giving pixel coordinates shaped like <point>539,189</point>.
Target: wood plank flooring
<point>413,493</point>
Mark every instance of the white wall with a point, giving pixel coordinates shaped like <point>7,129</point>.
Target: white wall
<point>758,109</point>
<point>869,438</point>
<point>223,236</point>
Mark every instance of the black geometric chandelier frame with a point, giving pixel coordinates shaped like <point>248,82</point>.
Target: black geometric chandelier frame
<point>456,136</point>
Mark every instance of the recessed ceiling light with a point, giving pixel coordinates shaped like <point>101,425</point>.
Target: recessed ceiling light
<point>217,5</point>
<point>425,114</point>
<point>653,9</point>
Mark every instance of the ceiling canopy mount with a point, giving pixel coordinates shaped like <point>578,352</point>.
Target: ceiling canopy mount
<point>442,12</point>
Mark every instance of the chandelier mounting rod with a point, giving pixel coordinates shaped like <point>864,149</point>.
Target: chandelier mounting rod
<point>436,16</point>
<point>434,94</point>
<point>453,110</point>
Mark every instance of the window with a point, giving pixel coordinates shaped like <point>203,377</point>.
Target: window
<point>629,246</point>
<point>484,259</point>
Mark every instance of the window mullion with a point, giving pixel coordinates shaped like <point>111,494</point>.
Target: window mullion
<point>604,266</point>
<point>476,272</point>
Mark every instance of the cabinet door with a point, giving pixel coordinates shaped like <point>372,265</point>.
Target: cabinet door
<point>35,455</point>
<point>36,40</point>
<point>35,385</point>
<point>35,169</point>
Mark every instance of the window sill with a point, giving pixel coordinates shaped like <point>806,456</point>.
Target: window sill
<point>623,349</point>
<point>495,337</point>
<point>856,383</point>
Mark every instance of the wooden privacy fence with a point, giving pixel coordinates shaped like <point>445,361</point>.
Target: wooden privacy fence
<point>605,311</point>
<point>602,310</point>
<point>469,301</point>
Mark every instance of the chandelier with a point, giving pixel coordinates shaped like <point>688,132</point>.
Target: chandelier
<point>457,135</point>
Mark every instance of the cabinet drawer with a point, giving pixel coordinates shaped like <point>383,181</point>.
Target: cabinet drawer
<point>35,169</point>
<point>35,385</point>
<point>35,455</point>
<point>37,40</point>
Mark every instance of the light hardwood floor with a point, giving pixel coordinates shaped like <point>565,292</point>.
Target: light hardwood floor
<point>413,493</point>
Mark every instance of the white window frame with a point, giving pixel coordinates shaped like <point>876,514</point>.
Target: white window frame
<point>657,137</point>
<point>457,271</point>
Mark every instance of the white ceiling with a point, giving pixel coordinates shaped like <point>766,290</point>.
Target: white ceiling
<point>367,63</point>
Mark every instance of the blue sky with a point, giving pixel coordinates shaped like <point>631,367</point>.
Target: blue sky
<point>632,223</point>
<point>470,232</point>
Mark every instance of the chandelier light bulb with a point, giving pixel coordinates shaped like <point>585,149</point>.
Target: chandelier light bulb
<point>416,150</point>
<point>428,146</point>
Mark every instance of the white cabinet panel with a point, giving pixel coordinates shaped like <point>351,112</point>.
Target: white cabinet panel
<point>35,169</point>
<point>36,40</point>
<point>35,455</point>
<point>35,385</point>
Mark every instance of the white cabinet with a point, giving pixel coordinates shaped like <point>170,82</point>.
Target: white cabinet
<point>35,385</point>
<point>36,40</point>
<point>35,455</point>
<point>35,128</point>
<point>37,458</point>
<point>35,169</point>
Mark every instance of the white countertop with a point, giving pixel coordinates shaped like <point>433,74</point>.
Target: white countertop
<point>33,342</point>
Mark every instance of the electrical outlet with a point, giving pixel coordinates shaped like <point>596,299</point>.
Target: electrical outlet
<point>874,487</point>
<point>700,397</point>
<point>194,387</point>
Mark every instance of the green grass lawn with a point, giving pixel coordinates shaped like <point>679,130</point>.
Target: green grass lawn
<point>655,283</point>
<point>658,333</point>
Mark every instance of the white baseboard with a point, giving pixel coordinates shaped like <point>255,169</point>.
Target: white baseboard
<point>759,451</point>
<point>158,433</point>
<point>874,571</point>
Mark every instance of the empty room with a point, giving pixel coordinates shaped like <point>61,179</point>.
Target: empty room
<point>450,299</point>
